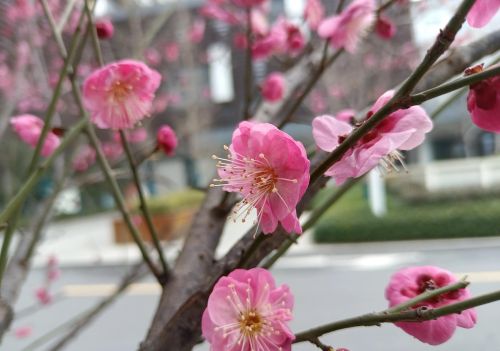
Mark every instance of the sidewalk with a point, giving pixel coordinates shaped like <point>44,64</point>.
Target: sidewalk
<point>89,241</point>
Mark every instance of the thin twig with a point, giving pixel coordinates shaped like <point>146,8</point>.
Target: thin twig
<point>144,206</point>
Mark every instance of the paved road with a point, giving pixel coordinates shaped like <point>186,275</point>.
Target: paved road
<point>326,288</point>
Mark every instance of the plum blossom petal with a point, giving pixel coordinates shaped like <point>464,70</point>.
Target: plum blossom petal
<point>120,94</point>
<point>327,131</point>
<point>314,13</point>
<point>346,29</point>
<point>246,311</point>
<point>482,12</point>
<point>412,281</point>
<point>270,170</point>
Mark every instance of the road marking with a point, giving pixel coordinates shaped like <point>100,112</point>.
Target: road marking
<point>151,289</point>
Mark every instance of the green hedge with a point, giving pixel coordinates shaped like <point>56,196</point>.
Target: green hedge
<point>350,220</point>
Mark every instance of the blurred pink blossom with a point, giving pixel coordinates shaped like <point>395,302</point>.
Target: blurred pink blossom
<point>112,150</point>
<point>197,31</point>
<point>84,158</point>
<point>345,30</point>
<point>104,28</point>
<point>172,52</point>
<point>482,12</point>
<point>314,13</point>
<point>23,332</point>
<point>29,128</point>
<point>43,296</point>
<point>273,87</point>
<point>166,140</point>
<point>385,28</point>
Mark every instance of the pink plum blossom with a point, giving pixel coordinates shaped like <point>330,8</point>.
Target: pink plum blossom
<point>84,158</point>
<point>270,170</point>
<point>345,30</point>
<point>483,103</point>
<point>412,281</point>
<point>104,28</point>
<point>29,128</point>
<point>259,23</point>
<point>482,12</point>
<point>385,28</point>
<point>152,56</point>
<point>400,130</point>
<point>197,31</point>
<point>273,87</point>
<point>43,296</point>
<point>120,94</point>
<point>23,332</point>
<point>166,140</point>
<point>314,13</point>
<point>246,311</point>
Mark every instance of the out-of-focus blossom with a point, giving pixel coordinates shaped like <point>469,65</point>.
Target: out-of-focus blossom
<point>197,31</point>
<point>217,12</point>
<point>314,13</point>
<point>346,115</point>
<point>104,28</point>
<point>240,41</point>
<point>23,332</point>
<point>259,23</point>
<point>345,30</point>
<point>152,56</point>
<point>482,12</point>
<point>84,158</point>
<point>161,102</point>
<point>283,38</point>
<point>413,281</point>
<point>172,52</point>
<point>43,296</point>
<point>29,128</point>
<point>134,136</point>
<point>166,140</point>
<point>483,102</point>
<point>53,271</point>
<point>246,311</point>
<point>270,170</point>
<point>385,28</point>
<point>248,3</point>
<point>318,102</point>
<point>112,150</point>
<point>273,87</point>
<point>120,94</point>
<point>401,130</point>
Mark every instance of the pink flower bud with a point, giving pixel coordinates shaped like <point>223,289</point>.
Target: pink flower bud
<point>104,28</point>
<point>385,28</point>
<point>483,102</point>
<point>166,139</point>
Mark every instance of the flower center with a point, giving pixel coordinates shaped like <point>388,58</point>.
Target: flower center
<point>254,178</point>
<point>120,90</point>
<point>251,323</point>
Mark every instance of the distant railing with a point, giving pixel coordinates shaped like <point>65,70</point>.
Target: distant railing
<point>469,173</point>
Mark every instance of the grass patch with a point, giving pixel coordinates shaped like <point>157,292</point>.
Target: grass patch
<point>350,219</point>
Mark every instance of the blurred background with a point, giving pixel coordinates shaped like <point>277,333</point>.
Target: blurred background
<point>444,210</point>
